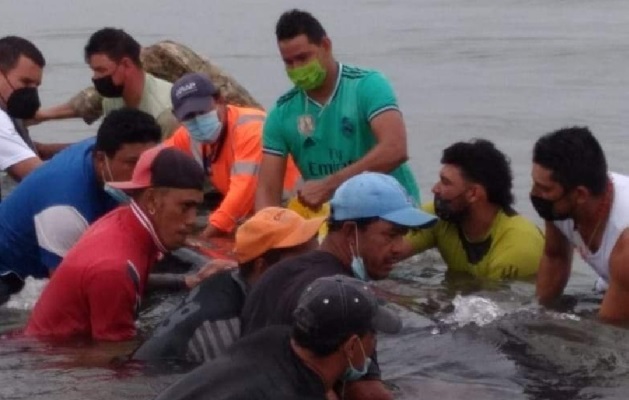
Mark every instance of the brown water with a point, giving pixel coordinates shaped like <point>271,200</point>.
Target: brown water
<point>506,70</point>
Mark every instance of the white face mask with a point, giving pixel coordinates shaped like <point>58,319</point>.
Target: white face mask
<point>117,194</point>
<point>358,265</point>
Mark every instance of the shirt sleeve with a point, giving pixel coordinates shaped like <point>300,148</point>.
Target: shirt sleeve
<point>424,239</point>
<point>114,299</point>
<point>57,229</point>
<point>13,149</point>
<point>88,105</point>
<point>273,140</point>
<point>376,96</point>
<point>243,180</point>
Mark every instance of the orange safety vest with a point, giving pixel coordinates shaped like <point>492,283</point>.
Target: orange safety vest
<point>233,163</point>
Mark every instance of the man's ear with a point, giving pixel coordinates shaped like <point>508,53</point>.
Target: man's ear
<point>581,194</point>
<point>350,345</point>
<point>326,43</point>
<point>349,231</point>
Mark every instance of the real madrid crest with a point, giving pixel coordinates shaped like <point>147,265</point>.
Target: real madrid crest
<point>305,124</point>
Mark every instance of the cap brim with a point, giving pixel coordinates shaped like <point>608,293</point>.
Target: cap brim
<point>411,217</point>
<point>127,185</point>
<point>386,320</point>
<point>305,232</point>
<point>192,105</point>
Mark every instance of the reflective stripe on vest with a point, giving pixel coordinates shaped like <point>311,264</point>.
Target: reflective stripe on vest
<point>243,119</point>
<point>245,168</point>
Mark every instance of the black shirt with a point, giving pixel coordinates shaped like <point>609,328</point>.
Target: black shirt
<point>260,366</point>
<point>274,297</point>
<point>203,326</point>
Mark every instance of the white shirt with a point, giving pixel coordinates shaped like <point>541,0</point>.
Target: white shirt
<point>13,149</point>
<point>617,222</point>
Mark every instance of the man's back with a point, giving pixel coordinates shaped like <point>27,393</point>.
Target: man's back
<point>49,210</point>
<point>274,297</point>
<point>259,367</point>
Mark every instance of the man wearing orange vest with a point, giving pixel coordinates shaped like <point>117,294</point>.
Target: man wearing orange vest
<point>227,141</point>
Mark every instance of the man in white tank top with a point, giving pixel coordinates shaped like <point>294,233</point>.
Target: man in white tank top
<point>585,208</point>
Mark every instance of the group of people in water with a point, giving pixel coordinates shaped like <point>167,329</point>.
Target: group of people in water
<point>320,200</point>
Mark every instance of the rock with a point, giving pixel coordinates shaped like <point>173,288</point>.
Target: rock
<point>169,60</point>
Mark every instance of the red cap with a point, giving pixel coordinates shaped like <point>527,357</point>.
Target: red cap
<point>164,166</point>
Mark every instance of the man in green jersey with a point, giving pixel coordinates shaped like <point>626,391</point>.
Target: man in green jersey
<point>478,232</point>
<point>337,122</point>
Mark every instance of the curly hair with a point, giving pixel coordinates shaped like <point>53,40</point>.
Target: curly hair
<point>574,157</point>
<point>482,163</point>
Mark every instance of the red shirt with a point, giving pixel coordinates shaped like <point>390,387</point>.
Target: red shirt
<point>96,290</point>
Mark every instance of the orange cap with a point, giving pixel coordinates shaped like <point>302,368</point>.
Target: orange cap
<point>273,228</point>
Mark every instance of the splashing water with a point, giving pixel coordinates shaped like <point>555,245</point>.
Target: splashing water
<point>26,299</point>
<point>474,309</point>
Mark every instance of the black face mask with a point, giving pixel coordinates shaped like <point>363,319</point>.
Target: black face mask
<point>443,209</point>
<point>106,87</point>
<point>23,103</point>
<point>545,209</point>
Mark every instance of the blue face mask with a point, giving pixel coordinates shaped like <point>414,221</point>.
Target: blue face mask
<point>353,374</point>
<point>358,265</point>
<point>117,194</point>
<point>205,128</point>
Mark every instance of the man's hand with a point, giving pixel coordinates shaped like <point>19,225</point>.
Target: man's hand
<point>366,390</point>
<point>316,192</point>
<point>208,270</point>
<point>211,231</point>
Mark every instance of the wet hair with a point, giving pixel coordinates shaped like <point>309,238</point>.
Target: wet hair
<point>115,44</point>
<point>295,22</point>
<point>482,163</point>
<point>574,157</point>
<point>13,47</point>
<point>323,345</point>
<point>124,126</point>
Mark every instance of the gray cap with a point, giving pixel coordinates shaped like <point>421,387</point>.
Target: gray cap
<point>192,93</point>
<point>337,305</point>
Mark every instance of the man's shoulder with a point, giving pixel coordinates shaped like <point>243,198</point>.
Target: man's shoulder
<point>353,72</point>
<point>312,263</point>
<point>513,223</point>
<point>287,98</point>
<point>6,124</point>
<point>162,84</point>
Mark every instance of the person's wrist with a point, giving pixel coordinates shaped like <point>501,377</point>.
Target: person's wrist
<point>190,281</point>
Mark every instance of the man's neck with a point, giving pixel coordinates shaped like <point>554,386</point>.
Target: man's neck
<point>328,368</point>
<point>323,93</point>
<point>133,90</point>
<point>591,213</point>
<point>478,223</point>
<point>336,246</point>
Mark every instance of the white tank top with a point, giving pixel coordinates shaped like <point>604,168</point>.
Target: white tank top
<point>618,221</point>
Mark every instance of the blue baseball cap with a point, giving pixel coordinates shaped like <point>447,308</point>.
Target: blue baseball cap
<point>372,194</point>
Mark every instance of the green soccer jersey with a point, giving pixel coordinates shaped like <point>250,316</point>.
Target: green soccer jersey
<point>322,139</point>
